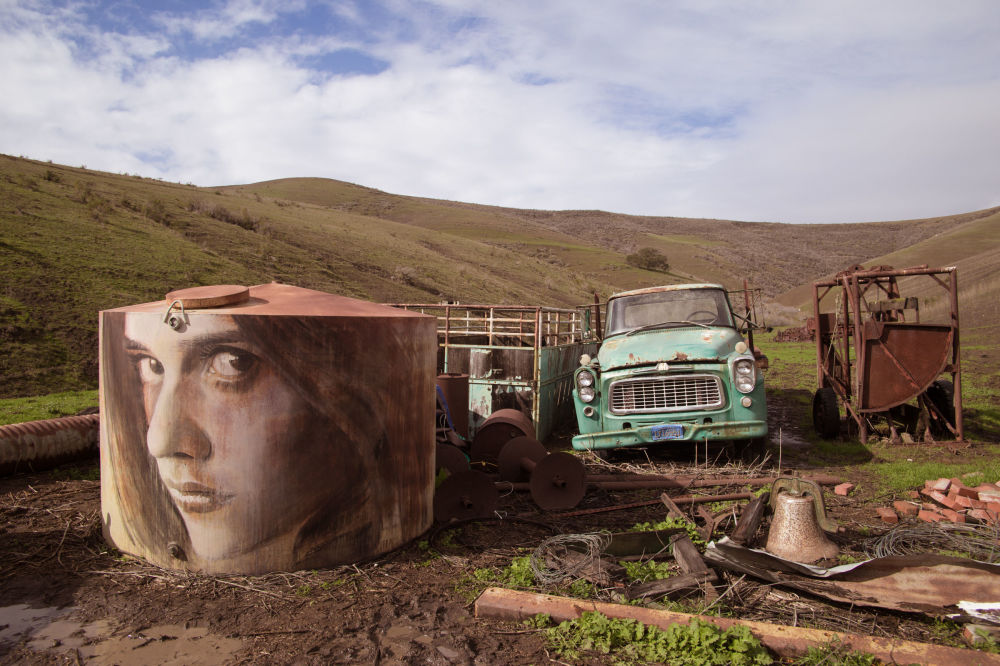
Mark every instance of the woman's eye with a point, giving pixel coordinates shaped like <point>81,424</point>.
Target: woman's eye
<point>150,370</point>
<point>231,364</point>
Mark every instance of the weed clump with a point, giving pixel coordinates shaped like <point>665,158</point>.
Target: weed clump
<point>630,641</point>
<point>672,523</point>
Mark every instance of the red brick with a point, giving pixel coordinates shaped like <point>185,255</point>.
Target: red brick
<point>986,487</point>
<point>955,481</point>
<point>913,494</point>
<point>993,507</point>
<point>953,516</point>
<point>930,516</point>
<point>980,515</point>
<point>968,492</point>
<point>978,504</point>
<point>941,485</point>
<point>906,508</point>
<point>927,506</point>
<point>887,515</point>
<point>843,489</point>
<point>938,497</point>
<point>964,502</point>
<point>990,497</point>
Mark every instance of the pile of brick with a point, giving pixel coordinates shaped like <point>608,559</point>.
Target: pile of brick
<point>950,500</point>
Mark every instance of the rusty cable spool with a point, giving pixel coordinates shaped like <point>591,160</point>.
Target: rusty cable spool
<point>558,482</point>
<point>502,426</point>
<point>468,494</point>
<point>449,457</point>
<point>519,457</point>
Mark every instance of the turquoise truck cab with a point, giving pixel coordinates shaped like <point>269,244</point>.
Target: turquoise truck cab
<point>673,367</point>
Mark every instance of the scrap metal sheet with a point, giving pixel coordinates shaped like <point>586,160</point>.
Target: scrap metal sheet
<point>925,583</point>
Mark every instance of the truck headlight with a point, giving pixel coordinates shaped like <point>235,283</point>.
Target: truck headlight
<point>744,375</point>
<point>584,378</point>
<point>587,394</point>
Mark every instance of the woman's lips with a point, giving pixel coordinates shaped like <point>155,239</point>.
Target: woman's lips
<point>194,497</point>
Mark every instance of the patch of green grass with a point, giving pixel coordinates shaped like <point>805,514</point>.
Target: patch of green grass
<point>630,641</point>
<point>670,523</point>
<point>647,571</point>
<point>516,575</point>
<point>907,473</point>
<point>835,654</point>
<point>67,403</point>
<point>75,473</point>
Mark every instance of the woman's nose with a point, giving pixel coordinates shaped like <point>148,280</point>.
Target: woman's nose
<point>174,427</point>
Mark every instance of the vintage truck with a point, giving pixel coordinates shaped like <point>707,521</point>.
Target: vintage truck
<point>673,367</point>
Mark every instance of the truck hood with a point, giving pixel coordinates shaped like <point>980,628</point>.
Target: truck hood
<point>670,345</point>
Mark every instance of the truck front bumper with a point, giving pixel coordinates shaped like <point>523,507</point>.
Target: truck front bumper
<point>643,435</point>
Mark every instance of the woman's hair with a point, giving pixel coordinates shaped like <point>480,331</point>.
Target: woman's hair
<point>356,375</point>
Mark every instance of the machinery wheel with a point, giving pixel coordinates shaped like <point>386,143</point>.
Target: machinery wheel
<point>826,413</point>
<point>941,394</point>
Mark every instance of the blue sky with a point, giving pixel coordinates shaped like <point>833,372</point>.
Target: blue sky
<point>765,110</point>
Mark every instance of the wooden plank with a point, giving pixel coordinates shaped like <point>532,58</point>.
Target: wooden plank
<point>786,642</point>
<point>749,522</point>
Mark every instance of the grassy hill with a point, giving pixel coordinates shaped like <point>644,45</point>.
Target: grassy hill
<point>972,245</point>
<point>75,241</point>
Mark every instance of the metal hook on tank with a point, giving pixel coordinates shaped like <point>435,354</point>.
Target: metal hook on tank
<point>175,321</point>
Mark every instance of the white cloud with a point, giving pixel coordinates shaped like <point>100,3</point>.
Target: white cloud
<point>789,112</point>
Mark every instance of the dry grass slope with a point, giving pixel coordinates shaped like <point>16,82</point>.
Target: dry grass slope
<point>75,241</point>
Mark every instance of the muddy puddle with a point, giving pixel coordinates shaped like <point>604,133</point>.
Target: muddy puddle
<point>50,630</point>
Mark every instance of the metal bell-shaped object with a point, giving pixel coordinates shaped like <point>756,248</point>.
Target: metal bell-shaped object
<point>795,533</point>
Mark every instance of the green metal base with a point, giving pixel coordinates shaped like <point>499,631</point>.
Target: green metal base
<point>613,439</point>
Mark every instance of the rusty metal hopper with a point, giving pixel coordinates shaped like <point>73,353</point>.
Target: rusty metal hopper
<point>900,361</point>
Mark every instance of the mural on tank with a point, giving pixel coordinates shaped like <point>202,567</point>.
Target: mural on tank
<point>291,430</point>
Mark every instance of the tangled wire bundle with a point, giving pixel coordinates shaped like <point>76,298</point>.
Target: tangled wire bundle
<point>979,541</point>
<point>550,550</point>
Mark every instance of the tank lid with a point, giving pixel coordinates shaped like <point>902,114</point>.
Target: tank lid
<point>212,296</point>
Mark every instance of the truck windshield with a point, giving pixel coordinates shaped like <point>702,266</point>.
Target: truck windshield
<point>683,307</point>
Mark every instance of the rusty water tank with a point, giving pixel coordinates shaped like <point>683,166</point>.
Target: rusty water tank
<point>269,428</point>
<point>454,387</point>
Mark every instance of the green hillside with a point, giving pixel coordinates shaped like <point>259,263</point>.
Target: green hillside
<point>75,241</point>
<point>973,246</point>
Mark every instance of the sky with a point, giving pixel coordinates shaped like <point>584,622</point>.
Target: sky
<point>758,110</point>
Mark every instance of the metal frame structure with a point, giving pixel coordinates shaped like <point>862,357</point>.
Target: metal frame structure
<point>873,358</point>
<point>516,356</point>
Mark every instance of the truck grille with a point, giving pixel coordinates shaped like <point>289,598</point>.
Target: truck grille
<point>666,394</point>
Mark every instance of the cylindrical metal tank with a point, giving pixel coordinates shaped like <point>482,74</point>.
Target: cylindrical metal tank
<point>455,389</point>
<point>269,428</point>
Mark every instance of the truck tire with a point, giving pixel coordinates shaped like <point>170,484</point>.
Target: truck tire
<point>941,394</point>
<point>826,413</point>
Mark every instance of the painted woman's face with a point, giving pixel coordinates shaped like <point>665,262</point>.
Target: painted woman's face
<point>230,437</point>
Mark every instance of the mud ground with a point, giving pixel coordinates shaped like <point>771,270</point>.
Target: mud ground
<point>67,597</point>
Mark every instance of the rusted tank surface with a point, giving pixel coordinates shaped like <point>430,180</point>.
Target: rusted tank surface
<point>454,387</point>
<point>37,445</point>
<point>901,360</point>
<point>280,429</point>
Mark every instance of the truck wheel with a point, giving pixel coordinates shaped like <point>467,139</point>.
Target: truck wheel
<point>826,413</point>
<point>941,394</point>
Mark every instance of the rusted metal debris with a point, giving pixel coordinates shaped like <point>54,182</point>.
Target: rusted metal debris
<point>925,583</point>
<point>787,642</point>
<point>874,355</point>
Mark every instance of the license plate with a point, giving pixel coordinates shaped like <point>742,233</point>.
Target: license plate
<point>669,431</point>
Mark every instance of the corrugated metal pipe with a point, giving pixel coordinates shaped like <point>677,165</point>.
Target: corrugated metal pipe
<point>37,445</point>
